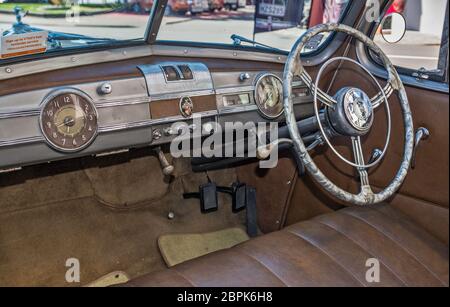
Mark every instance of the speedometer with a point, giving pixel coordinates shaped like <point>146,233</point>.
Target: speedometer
<point>269,95</point>
<point>68,120</point>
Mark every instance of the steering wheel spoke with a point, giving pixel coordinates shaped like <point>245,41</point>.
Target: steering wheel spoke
<point>359,160</point>
<point>379,98</point>
<point>321,95</point>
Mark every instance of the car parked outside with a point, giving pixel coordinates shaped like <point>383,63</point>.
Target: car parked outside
<point>198,6</point>
<point>216,5</point>
<point>173,6</point>
<point>234,5</point>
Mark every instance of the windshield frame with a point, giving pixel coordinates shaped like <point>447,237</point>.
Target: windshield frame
<point>350,17</point>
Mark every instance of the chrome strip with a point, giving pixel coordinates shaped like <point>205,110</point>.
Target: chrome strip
<point>178,95</point>
<point>238,109</point>
<point>98,104</point>
<point>234,89</point>
<point>153,122</point>
<point>21,113</point>
<point>121,102</point>
<point>117,127</point>
<point>21,141</point>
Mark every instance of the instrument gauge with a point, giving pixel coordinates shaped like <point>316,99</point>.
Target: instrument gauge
<point>269,95</point>
<point>68,120</point>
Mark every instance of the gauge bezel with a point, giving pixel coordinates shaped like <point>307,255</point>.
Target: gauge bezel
<point>259,78</point>
<point>48,99</point>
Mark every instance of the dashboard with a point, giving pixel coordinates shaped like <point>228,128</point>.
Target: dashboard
<point>109,116</point>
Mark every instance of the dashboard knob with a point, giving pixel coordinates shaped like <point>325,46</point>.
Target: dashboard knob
<point>244,76</point>
<point>105,89</point>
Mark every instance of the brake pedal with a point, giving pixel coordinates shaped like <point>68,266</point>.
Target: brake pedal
<point>208,197</point>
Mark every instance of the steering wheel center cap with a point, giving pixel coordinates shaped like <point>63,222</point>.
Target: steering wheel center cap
<point>358,109</point>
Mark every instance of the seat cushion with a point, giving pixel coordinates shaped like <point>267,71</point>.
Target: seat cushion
<point>330,250</point>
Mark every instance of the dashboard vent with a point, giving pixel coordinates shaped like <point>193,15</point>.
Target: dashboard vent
<point>177,72</point>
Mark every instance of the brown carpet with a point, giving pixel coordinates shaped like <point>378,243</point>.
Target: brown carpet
<point>46,219</point>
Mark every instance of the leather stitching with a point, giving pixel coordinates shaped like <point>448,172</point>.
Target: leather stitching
<point>263,265</point>
<point>298,235</point>
<point>379,230</point>
<point>384,264</point>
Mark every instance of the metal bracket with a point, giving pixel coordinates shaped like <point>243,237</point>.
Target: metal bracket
<point>421,135</point>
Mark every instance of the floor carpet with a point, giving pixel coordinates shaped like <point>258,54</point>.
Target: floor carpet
<point>39,234</point>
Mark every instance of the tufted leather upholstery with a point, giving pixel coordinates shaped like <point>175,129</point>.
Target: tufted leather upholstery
<point>330,250</point>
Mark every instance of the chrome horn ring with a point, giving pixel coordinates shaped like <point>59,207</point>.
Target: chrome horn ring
<point>322,130</point>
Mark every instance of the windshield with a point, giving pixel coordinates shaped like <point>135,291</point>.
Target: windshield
<point>276,23</point>
<point>34,26</point>
<point>39,26</point>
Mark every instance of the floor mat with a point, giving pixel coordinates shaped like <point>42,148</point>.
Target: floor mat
<point>178,248</point>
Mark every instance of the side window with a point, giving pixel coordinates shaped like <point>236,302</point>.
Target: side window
<point>422,50</point>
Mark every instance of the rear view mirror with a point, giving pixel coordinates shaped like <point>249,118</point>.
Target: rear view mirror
<point>393,28</point>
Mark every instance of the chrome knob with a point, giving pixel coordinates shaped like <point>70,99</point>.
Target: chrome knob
<point>105,89</point>
<point>156,134</point>
<point>244,76</point>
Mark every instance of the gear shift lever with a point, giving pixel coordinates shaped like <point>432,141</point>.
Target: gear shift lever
<point>167,168</point>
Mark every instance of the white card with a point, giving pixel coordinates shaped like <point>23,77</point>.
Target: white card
<point>23,44</point>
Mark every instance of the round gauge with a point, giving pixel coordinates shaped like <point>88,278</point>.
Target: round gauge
<point>269,95</point>
<point>68,120</point>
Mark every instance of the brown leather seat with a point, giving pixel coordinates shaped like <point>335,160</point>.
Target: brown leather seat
<point>330,250</point>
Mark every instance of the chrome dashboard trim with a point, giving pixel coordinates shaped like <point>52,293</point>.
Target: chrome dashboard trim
<point>117,127</point>
<point>153,122</point>
<point>99,104</point>
<point>22,141</point>
<point>238,109</point>
<point>121,102</point>
<point>20,113</point>
<point>234,90</point>
<point>159,89</point>
<point>178,95</point>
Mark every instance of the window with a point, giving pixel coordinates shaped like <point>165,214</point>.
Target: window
<point>34,26</point>
<point>276,23</point>
<point>425,42</point>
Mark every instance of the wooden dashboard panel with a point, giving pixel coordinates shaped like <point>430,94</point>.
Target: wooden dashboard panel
<point>119,70</point>
<point>167,108</point>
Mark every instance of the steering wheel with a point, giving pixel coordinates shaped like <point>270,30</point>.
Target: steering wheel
<point>350,113</point>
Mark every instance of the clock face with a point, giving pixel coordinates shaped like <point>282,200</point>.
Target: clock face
<point>269,96</point>
<point>69,121</point>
